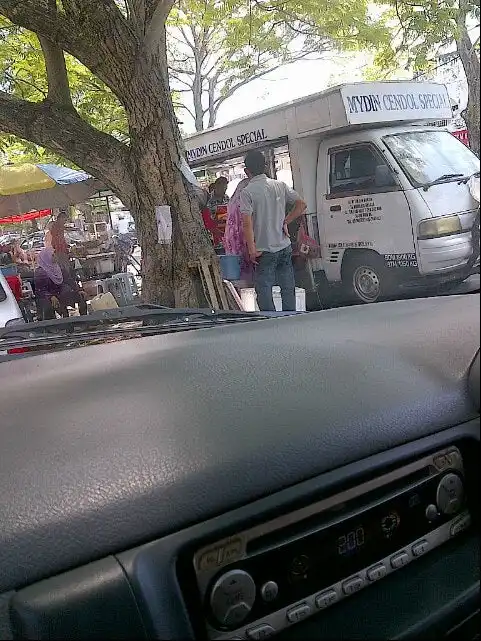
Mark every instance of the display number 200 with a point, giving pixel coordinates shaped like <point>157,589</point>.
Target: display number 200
<point>350,541</point>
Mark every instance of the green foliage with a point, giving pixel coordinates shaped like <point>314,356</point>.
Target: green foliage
<point>23,74</point>
<point>421,29</point>
<point>218,46</point>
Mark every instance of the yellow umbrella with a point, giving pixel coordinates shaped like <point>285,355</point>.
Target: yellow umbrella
<point>21,179</point>
<point>28,187</point>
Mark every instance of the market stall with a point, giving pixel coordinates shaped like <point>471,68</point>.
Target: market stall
<point>93,256</point>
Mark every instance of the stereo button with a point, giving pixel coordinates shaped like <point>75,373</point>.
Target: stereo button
<point>352,585</point>
<point>260,632</point>
<point>398,560</point>
<point>441,461</point>
<point>294,615</point>
<point>269,591</point>
<point>432,512</point>
<point>209,559</point>
<point>231,551</point>
<point>232,597</point>
<point>450,494</point>
<point>325,599</point>
<point>420,548</point>
<point>454,458</point>
<point>236,614</point>
<point>460,525</point>
<point>376,572</point>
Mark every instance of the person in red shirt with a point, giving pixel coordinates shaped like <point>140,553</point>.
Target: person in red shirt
<point>212,226</point>
<point>55,236</point>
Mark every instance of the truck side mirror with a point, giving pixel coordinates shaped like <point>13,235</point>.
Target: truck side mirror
<point>383,177</point>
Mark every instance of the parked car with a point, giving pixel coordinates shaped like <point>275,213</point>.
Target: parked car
<point>9,309</point>
<point>9,238</point>
<point>33,243</point>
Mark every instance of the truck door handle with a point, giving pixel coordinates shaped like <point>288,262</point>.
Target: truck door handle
<point>335,208</point>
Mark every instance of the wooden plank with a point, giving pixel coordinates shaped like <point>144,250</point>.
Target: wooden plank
<point>219,283</point>
<point>232,293</point>
<point>205,267</point>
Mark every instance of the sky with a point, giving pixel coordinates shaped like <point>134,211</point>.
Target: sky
<point>288,83</point>
<point>297,80</point>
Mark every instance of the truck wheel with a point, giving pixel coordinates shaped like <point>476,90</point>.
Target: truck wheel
<point>365,278</point>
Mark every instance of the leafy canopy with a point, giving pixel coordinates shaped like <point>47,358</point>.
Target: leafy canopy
<point>421,30</point>
<point>218,46</point>
<point>23,74</point>
<point>215,47</point>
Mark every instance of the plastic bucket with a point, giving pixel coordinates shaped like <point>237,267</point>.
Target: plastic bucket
<point>249,299</point>
<point>230,267</point>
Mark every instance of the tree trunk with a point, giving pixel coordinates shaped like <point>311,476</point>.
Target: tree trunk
<point>471,113</point>
<point>197,100</point>
<point>213,106</point>
<point>129,55</point>
<point>470,61</point>
<point>156,149</point>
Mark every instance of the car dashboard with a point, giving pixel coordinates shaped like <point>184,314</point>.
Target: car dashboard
<point>305,477</point>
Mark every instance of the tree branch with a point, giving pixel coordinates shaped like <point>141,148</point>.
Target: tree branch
<point>260,74</point>
<point>100,37</point>
<point>179,70</point>
<point>64,132</point>
<point>189,111</point>
<point>18,81</point>
<point>158,10</point>
<point>58,85</point>
<point>136,14</point>
<point>475,45</point>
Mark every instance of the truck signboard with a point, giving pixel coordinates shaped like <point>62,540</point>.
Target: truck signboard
<point>396,101</point>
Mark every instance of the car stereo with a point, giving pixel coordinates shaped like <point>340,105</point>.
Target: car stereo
<point>270,576</point>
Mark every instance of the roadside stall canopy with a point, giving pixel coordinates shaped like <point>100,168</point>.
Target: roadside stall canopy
<point>28,187</point>
<point>22,218</point>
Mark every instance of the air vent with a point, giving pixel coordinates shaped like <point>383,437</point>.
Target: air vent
<point>334,257</point>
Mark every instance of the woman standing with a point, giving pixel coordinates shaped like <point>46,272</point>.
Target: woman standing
<point>234,241</point>
<point>54,289</point>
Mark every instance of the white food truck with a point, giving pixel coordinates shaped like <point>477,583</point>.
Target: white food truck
<point>385,186</point>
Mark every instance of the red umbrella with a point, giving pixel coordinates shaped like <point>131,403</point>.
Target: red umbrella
<point>21,218</point>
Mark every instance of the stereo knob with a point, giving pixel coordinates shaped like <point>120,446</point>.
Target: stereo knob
<point>232,597</point>
<point>450,494</point>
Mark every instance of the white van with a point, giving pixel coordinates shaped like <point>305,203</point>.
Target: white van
<point>9,310</point>
<point>385,188</point>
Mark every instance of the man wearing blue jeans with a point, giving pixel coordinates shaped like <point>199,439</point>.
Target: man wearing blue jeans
<point>264,203</point>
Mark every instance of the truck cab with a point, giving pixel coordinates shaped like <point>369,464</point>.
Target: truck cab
<point>393,207</point>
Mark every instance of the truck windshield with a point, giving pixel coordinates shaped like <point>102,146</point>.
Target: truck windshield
<point>426,155</point>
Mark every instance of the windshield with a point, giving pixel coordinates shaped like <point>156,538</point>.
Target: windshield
<point>425,156</point>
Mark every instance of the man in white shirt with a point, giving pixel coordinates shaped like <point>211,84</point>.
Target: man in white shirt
<point>264,203</point>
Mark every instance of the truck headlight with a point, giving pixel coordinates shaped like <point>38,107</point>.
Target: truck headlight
<point>437,227</point>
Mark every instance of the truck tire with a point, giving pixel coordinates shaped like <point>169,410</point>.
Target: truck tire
<point>365,278</point>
